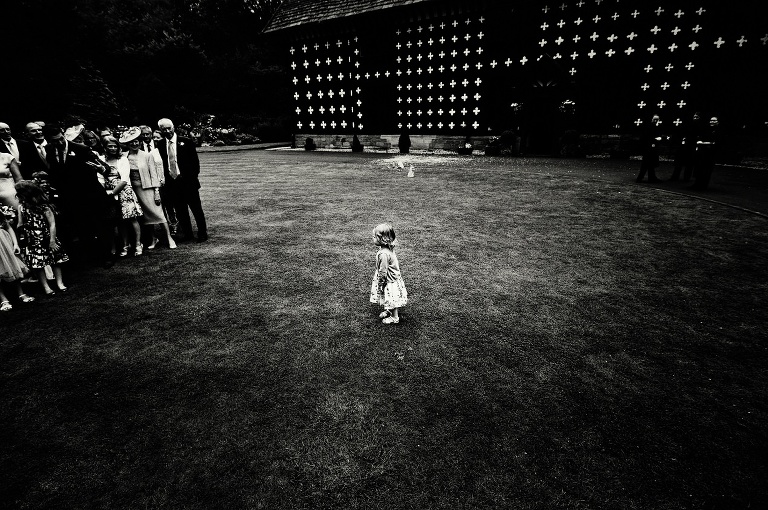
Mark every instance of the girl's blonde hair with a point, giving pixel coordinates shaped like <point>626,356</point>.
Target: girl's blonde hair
<point>385,235</point>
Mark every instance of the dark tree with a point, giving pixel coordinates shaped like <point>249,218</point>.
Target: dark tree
<point>111,61</point>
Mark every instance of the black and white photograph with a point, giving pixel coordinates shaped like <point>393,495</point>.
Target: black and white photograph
<point>384,254</point>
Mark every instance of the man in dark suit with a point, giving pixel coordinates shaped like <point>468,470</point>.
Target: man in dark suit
<point>147,144</point>
<point>85,206</point>
<point>708,152</point>
<point>32,152</point>
<point>686,150</point>
<point>181,167</point>
<point>650,142</point>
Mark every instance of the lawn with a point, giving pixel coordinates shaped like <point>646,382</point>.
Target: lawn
<point>572,340</point>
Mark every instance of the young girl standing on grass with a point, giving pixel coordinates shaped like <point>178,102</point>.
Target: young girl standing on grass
<point>12,269</point>
<point>42,247</point>
<point>387,288</point>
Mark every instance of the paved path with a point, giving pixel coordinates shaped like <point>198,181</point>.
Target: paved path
<point>745,188</point>
<point>232,148</point>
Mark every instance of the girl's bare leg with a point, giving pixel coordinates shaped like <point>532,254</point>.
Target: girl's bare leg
<point>44,281</point>
<point>57,275</point>
<point>18,289</point>
<point>124,235</point>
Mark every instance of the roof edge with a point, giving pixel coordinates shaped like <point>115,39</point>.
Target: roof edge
<point>303,22</point>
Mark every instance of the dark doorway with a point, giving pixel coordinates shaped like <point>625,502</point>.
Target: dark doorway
<point>545,107</point>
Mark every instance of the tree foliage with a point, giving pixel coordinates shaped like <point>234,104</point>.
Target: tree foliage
<point>111,61</point>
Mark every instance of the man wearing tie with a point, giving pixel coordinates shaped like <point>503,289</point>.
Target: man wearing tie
<point>73,170</point>
<point>181,169</point>
<point>147,144</point>
<point>32,152</point>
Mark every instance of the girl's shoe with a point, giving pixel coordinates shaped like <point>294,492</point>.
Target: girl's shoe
<point>139,249</point>
<point>384,314</point>
<point>5,306</point>
<point>26,299</point>
<point>391,320</point>
<point>123,252</point>
<point>171,244</point>
<point>63,289</point>
<point>153,244</point>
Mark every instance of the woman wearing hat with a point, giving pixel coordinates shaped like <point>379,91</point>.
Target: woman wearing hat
<point>74,133</point>
<point>145,181</point>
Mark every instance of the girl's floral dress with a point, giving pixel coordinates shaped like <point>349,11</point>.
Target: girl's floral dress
<point>36,251</point>
<point>129,204</point>
<point>388,288</point>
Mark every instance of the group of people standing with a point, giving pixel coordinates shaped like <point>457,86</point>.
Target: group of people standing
<point>94,197</point>
<point>695,155</point>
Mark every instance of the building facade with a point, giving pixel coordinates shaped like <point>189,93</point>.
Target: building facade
<point>444,70</point>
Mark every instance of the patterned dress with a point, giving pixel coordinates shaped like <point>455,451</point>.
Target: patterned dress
<point>388,288</point>
<point>129,204</point>
<point>36,251</point>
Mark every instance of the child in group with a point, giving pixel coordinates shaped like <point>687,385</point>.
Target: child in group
<point>41,179</point>
<point>387,288</point>
<point>42,247</point>
<point>118,184</point>
<point>12,269</point>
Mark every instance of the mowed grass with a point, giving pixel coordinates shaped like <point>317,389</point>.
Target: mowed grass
<point>572,340</point>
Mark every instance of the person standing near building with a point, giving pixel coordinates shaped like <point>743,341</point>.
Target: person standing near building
<point>686,150</point>
<point>708,149</point>
<point>181,168</point>
<point>650,142</point>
